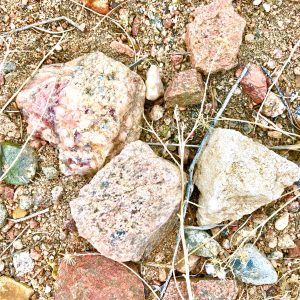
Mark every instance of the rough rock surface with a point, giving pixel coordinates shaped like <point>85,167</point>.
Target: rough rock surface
<point>94,106</point>
<point>93,277</point>
<point>273,106</point>
<point>236,176</point>
<point>13,290</point>
<point>254,84</point>
<point>130,204</point>
<point>204,290</point>
<point>186,88</point>
<point>251,266</point>
<point>215,36</point>
<point>154,85</point>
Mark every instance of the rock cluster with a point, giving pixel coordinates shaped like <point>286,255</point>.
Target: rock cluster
<point>92,107</point>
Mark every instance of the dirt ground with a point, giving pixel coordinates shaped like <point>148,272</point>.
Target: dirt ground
<point>53,234</point>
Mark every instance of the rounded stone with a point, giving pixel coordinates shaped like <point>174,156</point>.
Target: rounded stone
<point>3,214</point>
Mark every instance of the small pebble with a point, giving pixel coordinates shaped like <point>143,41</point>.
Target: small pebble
<point>297,71</point>
<point>156,112</point>
<point>19,213</point>
<point>275,134</point>
<point>285,242</point>
<point>2,265</point>
<point>7,67</point>
<point>154,85</point>
<point>273,243</point>
<point>3,215</point>
<point>47,289</point>
<point>57,193</point>
<point>257,2</point>
<point>271,64</point>
<point>25,203</point>
<point>267,7</point>
<point>294,207</point>
<point>50,172</point>
<point>276,255</point>
<point>23,263</point>
<point>282,222</point>
<point>18,244</point>
<point>249,38</point>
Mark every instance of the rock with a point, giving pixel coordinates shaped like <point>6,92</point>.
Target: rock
<point>3,214</point>
<point>176,59</point>
<point>11,289</point>
<point>50,172</point>
<point>267,7</point>
<point>2,266</point>
<point>204,290</point>
<point>285,242</point>
<point>154,85</point>
<point>273,106</point>
<point>254,84</point>
<point>192,262</point>
<point>2,80</point>
<point>136,25</point>
<point>295,252</point>
<point>215,36</point>
<point>7,67</point>
<point>122,48</point>
<point>57,193</point>
<point>18,244</point>
<point>23,169</point>
<point>23,262</point>
<point>282,222</point>
<point>196,238</point>
<point>249,38</point>
<point>275,134</point>
<point>257,2</point>
<point>25,203</point>
<point>251,266</point>
<point>100,6</point>
<point>186,88</point>
<point>96,109</point>
<point>19,213</point>
<point>156,113</point>
<point>8,129</point>
<point>103,279</point>
<point>236,176</point>
<point>130,204</point>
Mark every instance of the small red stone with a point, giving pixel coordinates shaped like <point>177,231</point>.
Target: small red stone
<point>168,23</point>
<point>35,255</point>
<point>33,224</point>
<point>176,59</point>
<point>100,6</point>
<point>122,48</point>
<point>295,252</point>
<point>135,26</point>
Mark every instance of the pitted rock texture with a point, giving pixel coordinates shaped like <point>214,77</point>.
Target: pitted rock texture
<point>186,88</point>
<point>215,36</point>
<point>130,204</point>
<point>95,277</point>
<point>236,176</point>
<point>93,106</point>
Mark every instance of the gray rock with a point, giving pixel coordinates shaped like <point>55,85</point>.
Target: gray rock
<point>23,262</point>
<point>57,193</point>
<point>50,172</point>
<point>25,202</point>
<point>251,266</point>
<point>7,67</point>
<point>3,215</point>
<point>201,239</point>
<point>236,176</point>
<point>130,205</point>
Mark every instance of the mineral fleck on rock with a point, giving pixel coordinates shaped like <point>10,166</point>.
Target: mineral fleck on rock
<point>130,204</point>
<point>93,106</point>
<point>215,36</point>
<point>236,176</point>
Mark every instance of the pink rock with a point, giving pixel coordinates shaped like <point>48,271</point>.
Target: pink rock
<point>92,277</point>
<point>122,48</point>
<point>295,252</point>
<point>214,37</point>
<point>130,205</point>
<point>95,107</point>
<point>254,84</point>
<point>136,26</point>
<point>176,59</point>
<point>186,88</point>
<point>205,290</point>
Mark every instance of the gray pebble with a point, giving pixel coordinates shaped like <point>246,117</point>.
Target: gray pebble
<point>57,193</point>
<point>3,214</point>
<point>8,67</point>
<point>50,172</point>
<point>23,263</point>
<point>25,202</point>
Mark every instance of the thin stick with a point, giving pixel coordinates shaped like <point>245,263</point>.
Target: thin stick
<point>14,240</point>
<point>38,213</point>
<point>190,185</point>
<point>172,145</point>
<point>62,18</point>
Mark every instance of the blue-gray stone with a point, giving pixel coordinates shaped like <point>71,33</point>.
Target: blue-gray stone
<point>201,240</point>
<point>251,266</point>
<point>7,67</point>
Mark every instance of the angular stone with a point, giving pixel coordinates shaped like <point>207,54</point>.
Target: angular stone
<point>154,85</point>
<point>122,48</point>
<point>204,290</point>
<point>201,240</point>
<point>130,204</point>
<point>251,266</point>
<point>186,88</point>
<point>23,262</point>
<point>93,277</point>
<point>273,106</point>
<point>13,290</point>
<point>215,36</point>
<point>95,106</point>
<point>254,84</point>
<point>236,176</point>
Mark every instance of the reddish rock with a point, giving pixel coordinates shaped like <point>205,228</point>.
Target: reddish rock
<point>176,59</point>
<point>254,84</point>
<point>186,88</point>
<point>205,290</point>
<point>122,48</point>
<point>1,79</point>
<point>94,277</point>
<point>136,26</point>
<point>295,252</point>
<point>100,6</point>
<point>215,36</point>
<point>168,23</point>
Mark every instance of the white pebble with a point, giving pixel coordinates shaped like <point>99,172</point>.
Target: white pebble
<point>18,244</point>
<point>154,85</point>
<point>2,265</point>
<point>47,289</point>
<point>257,2</point>
<point>282,222</point>
<point>267,7</point>
<point>156,113</point>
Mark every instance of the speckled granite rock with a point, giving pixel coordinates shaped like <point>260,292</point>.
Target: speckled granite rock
<point>236,176</point>
<point>205,290</point>
<point>130,204</point>
<point>95,106</point>
<point>93,277</point>
<point>186,88</point>
<point>215,34</point>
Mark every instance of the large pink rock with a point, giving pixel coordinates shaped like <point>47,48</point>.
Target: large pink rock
<point>94,107</point>
<point>130,205</point>
<point>204,290</point>
<point>215,36</point>
<point>93,277</point>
